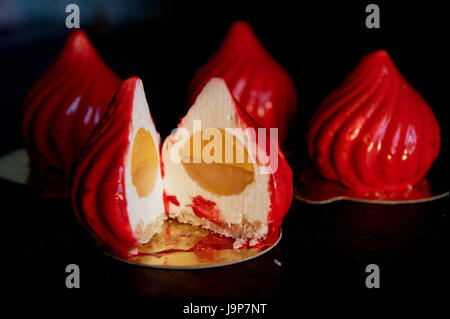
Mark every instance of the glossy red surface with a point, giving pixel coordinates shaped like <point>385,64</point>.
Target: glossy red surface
<point>204,208</point>
<point>260,84</point>
<point>374,132</point>
<point>62,109</point>
<point>98,186</point>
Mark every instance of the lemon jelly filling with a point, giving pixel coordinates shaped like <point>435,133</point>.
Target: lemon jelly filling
<point>218,162</point>
<point>144,163</point>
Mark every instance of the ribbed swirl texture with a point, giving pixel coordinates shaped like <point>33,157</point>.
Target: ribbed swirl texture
<point>259,83</point>
<point>62,109</point>
<point>98,184</point>
<point>374,132</point>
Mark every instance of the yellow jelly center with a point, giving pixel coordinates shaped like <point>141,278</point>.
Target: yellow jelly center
<point>218,162</point>
<point>144,163</point>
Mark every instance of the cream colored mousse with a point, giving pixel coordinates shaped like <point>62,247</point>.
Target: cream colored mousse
<point>143,180</point>
<point>211,177</point>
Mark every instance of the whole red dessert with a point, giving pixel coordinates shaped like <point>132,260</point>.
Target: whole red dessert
<point>62,109</point>
<point>259,83</point>
<point>374,132</point>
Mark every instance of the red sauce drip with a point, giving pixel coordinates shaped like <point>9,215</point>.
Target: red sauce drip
<point>214,241</point>
<point>161,167</point>
<point>207,209</point>
<point>167,199</point>
<point>207,246</point>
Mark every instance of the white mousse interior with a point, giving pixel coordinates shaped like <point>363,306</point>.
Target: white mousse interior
<point>244,215</point>
<point>146,214</point>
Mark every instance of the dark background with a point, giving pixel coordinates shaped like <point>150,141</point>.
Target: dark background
<point>325,249</point>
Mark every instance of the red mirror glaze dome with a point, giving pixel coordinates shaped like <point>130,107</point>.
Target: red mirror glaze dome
<point>374,132</point>
<point>259,83</point>
<point>62,109</point>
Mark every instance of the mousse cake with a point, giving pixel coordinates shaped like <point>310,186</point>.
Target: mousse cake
<point>117,188</point>
<point>221,174</point>
<point>374,132</point>
<point>62,109</point>
<point>260,84</point>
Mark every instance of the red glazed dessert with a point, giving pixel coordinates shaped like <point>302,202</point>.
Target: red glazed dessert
<point>62,109</point>
<point>374,132</point>
<point>117,189</point>
<point>259,83</point>
<point>221,174</point>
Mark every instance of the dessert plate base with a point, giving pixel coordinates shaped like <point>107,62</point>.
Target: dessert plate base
<point>183,246</point>
<point>313,189</point>
<point>14,167</point>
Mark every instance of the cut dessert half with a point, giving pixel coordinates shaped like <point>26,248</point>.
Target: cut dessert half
<point>223,172</point>
<point>117,187</point>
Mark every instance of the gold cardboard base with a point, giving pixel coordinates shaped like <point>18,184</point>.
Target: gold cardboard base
<point>183,246</point>
<point>313,189</point>
<point>14,167</point>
